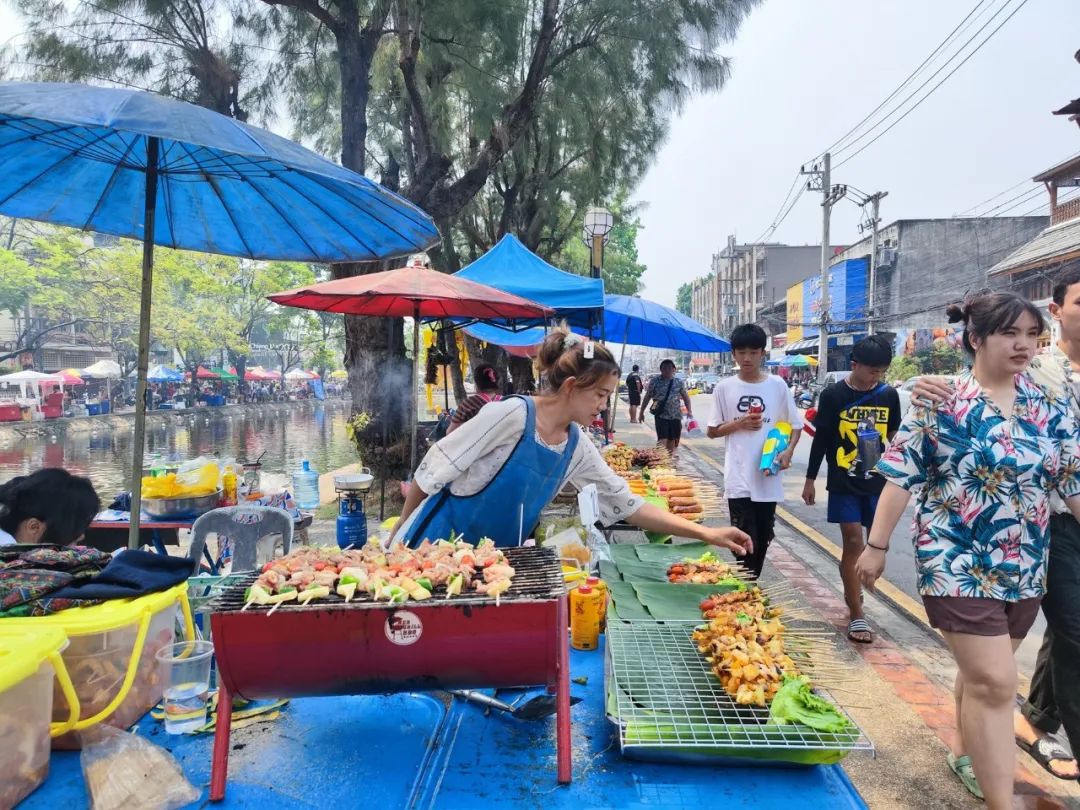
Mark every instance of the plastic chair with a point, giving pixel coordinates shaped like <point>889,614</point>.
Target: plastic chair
<point>246,527</point>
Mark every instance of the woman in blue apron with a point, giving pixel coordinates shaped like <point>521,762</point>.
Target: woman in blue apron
<point>494,475</point>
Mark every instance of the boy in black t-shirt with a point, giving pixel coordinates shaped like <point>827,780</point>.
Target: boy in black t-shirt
<point>855,418</point>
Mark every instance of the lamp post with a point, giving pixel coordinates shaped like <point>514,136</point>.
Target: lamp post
<point>598,224</point>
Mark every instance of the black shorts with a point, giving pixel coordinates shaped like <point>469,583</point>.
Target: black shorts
<point>635,399</point>
<point>670,429</point>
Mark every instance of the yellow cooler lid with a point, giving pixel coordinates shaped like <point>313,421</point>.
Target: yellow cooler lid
<point>110,615</point>
<point>23,649</point>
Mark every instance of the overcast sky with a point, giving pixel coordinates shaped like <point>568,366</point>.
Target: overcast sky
<point>805,72</point>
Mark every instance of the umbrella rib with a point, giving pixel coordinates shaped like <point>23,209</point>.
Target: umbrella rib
<point>331,217</point>
<point>108,185</point>
<point>212,181</point>
<point>373,193</point>
<point>47,170</point>
<point>281,213</point>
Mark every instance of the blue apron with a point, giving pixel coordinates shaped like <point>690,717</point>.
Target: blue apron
<point>528,480</point>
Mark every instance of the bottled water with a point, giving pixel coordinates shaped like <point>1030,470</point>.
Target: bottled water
<point>306,486</point>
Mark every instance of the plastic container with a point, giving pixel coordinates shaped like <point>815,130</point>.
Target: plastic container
<point>110,657</point>
<point>306,486</point>
<point>600,587</point>
<point>29,659</point>
<point>584,618</point>
<point>228,487</point>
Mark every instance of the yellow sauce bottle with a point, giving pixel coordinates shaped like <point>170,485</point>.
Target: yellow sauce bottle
<point>598,585</point>
<point>584,618</point>
<point>228,487</point>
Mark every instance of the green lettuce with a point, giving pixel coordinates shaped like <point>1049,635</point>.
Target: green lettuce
<point>795,703</point>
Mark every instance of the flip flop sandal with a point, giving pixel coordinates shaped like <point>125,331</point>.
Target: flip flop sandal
<point>961,766</point>
<point>860,626</point>
<point>1044,751</point>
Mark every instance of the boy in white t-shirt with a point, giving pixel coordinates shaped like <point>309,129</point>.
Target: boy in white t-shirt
<point>745,408</point>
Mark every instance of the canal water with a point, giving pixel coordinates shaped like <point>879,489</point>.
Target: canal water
<point>286,434</point>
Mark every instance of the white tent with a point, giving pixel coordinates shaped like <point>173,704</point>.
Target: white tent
<point>32,377</point>
<point>296,375</point>
<point>104,370</point>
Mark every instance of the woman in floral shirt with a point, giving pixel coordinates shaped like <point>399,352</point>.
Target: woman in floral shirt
<point>984,462</point>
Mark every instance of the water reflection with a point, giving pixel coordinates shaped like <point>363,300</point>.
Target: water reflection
<point>287,434</point>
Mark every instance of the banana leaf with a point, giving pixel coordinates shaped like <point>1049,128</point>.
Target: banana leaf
<point>624,553</point>
<point>743,741</point>
<point>624,602</point>
<point>669,602</point>
<point>642,572</point>
<point>609,572</point>
<point>666,555</point>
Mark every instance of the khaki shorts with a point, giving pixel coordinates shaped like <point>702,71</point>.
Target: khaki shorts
<point>979,616</point>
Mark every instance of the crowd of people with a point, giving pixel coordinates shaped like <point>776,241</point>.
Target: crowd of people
<point>992,459</point>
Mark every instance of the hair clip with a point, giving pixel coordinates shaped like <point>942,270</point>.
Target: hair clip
<point>589,350</point>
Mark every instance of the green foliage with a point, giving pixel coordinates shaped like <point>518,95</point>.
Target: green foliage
<point>903,367</point>
<point>621,271</point>
<point>684,298</point>
<point>940,359</point>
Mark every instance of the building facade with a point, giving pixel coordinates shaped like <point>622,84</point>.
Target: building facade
<point>752,277</point>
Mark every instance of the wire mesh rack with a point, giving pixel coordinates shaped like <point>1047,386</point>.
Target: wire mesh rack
<point>662,695</point>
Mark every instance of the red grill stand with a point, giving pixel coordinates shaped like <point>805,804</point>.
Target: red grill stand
<point>357,649</point>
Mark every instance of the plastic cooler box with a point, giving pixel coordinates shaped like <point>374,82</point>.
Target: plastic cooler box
<point>29,660</point>
<point>110,657</point>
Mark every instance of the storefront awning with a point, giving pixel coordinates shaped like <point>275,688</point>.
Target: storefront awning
<point>1056,245</point>
<point>797,346</point>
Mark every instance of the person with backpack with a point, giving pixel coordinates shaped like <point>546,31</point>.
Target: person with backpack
<point>855,417</point>
<point>487,390</point>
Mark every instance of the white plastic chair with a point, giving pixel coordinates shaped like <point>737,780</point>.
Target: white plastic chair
<point>251,531</point>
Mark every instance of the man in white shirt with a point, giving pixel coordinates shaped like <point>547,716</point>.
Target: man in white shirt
<point>746,408</point>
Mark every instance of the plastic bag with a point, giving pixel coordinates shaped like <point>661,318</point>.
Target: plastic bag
<point>127,772</point>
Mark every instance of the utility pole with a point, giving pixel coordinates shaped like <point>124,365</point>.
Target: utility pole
<point>875,220</point>
<point>821,180</point>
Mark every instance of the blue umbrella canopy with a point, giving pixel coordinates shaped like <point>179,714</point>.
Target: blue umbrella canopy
<point>77,155</point>
<point>134,164</point>
<point>627,319</point>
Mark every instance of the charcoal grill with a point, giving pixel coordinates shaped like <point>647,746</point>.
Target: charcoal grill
<point>330,647</point>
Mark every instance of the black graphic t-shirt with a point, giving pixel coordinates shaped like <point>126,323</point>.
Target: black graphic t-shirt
<point>840,410</point>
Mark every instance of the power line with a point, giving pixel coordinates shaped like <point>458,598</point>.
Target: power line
<point>777,219</point>
<point>929,93</point>
<point>970,211</point>
<point>944,43</point>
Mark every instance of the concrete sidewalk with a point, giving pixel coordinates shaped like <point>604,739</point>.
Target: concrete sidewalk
<point>900,688</point>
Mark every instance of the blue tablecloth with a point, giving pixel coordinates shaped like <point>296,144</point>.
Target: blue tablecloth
<point>410,751</point>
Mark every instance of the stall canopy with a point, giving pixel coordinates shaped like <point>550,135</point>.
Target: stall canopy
<point>627,319</point>
<point>103,370</point>
<point>163,374</point>
<point>513,268</point>
<point>228,374</point>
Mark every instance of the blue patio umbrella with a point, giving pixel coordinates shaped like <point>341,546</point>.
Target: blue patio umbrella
<point>143,166</point>
<point>163,374</point>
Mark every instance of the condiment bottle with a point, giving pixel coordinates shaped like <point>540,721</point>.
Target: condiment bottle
<point>598,585</point>
<point>584,618</point>
<point>228,487</point>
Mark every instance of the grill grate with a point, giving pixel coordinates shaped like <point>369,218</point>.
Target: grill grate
<point>537,576</point>
<point>666,697</point>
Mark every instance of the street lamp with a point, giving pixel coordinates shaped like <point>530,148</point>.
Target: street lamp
<point>598,224</point>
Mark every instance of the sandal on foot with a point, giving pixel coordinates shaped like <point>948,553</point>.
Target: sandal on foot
<point>1044,751</point>
<point>961,766</point>
<point>860,626</point>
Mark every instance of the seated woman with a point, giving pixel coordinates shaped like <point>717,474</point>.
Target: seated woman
<point>48,506</point>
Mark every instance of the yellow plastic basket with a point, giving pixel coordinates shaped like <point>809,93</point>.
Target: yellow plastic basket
<point>107,632</point>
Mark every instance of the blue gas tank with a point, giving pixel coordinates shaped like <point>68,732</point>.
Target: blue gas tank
<point>352,520</point>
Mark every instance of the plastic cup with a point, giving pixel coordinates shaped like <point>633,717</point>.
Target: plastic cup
<point>185,675</point>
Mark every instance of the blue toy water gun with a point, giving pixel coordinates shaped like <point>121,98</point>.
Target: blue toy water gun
<point>775,444</point>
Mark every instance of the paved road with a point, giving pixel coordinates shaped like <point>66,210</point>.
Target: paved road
<point>900,563</point>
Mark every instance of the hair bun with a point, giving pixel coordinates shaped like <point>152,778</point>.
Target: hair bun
<point>956,313</point>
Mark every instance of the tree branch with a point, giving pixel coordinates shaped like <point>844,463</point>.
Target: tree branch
<point>313,8</point>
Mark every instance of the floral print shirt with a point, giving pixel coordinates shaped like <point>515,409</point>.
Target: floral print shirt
<point>981,525</point>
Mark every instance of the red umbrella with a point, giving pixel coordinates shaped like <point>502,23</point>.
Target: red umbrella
<point>414,292</point>
<point>203,373</point>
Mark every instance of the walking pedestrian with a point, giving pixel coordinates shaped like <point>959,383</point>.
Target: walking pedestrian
<point>984,463</point>
<point>1054,699</point>
<point>667,393</point>
<point>745,408</point>
<point>854,418</point>
<point>633,392</point>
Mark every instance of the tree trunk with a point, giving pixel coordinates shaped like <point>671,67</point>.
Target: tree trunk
<point>521,372</point>
<point>239,362</point>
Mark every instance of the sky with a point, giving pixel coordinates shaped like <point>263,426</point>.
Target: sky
<point>803,73</point>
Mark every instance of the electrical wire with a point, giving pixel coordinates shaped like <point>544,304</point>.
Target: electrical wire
<point>777,219</point>
<point>931,91</point>
<point>910,77</point>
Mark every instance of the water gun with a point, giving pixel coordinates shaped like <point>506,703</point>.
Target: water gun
<point>775,443</point>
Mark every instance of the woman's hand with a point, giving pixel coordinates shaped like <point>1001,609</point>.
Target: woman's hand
<point>736,541</point>
<point>932,389</point>
<point>870,565</point>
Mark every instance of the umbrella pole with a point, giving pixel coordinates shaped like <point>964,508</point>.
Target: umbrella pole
<point>149,211</point>
<point>415,381</point>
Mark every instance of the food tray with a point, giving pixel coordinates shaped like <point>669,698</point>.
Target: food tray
<point>668,706</point>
